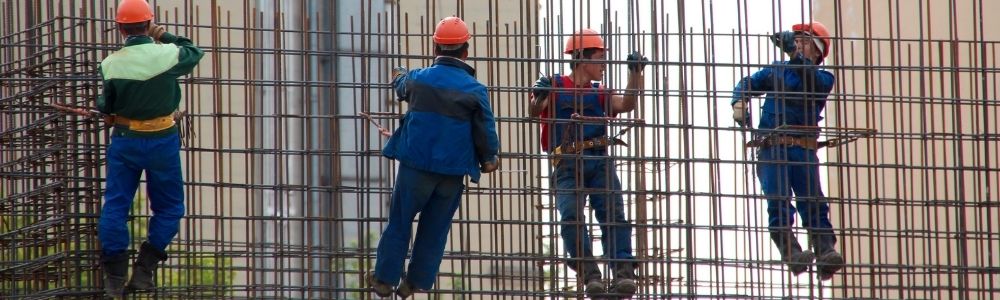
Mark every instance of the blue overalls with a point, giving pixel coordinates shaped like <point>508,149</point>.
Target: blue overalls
<point>796,95</point>
<point>591,173</point>
<point>445,100</point>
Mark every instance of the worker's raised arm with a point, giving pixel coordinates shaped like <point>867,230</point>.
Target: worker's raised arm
<point>188,54</point>
<point>540,96</point>
<point>636,83</point>
<point>399,83</point>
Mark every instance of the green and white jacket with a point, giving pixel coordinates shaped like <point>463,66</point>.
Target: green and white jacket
<point>140,79</point>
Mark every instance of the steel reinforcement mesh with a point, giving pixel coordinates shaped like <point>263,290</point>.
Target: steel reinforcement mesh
<point>287,191</point>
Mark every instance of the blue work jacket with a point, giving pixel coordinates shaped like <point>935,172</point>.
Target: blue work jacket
<point>449,127</point>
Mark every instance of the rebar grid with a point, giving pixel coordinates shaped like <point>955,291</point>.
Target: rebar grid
<point>287,192</point>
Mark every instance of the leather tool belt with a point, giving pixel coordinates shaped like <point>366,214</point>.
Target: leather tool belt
<point>784,140</point>
<point>579,146</point>
<point>151,125</point>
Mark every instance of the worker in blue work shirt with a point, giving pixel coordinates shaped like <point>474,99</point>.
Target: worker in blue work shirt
<point>796,92</point>
<point>581,161</point>
<point>448,132</point>
<point>140,95</point>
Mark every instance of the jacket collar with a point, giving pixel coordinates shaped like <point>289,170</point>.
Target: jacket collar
<point>454,62</point>
<point>137,40</point>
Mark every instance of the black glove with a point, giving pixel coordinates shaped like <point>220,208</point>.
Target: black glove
<point>785,41</point>
<point>541,88</point>
<point>636,62</point>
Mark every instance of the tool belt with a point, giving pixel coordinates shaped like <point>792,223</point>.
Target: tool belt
<point>810,143</point>
<point>579,146</point>
<point>151,125</point>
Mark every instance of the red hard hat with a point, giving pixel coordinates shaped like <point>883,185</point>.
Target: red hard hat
<point>451,31</point>
<point>583,39</point>
<point>817,30</point>
<point>133,11</point>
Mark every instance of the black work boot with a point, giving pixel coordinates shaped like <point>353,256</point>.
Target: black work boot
<point>590,274</point>
<point>828,261</point>
<point>625,284</point>
<point>798,261</point>
<point>115,270</point>
<point>145,267</point>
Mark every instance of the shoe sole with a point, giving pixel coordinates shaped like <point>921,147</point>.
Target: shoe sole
<point>625,289</point>
<point>405,290</point>
<point>593,290</point>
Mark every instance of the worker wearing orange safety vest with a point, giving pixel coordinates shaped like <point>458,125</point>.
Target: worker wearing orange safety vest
<point>448,132</point>
<point>796,92</point>
<point>585,168</point>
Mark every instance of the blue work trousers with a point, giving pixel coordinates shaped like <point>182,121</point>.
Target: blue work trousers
<point>127,158</point>
<point>787,169</point>
<point>435,197</point>
<point>592,175</point>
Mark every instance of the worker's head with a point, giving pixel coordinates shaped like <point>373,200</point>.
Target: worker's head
<point>587,49</point>
<point>133,17</point>
<point>812,40</point>
<point>451,38</point>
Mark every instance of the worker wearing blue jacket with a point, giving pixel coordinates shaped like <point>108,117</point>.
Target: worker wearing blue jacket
<point>796,92</point>
<point>449,132</point>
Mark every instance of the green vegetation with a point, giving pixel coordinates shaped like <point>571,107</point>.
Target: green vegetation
<point>76,270</point>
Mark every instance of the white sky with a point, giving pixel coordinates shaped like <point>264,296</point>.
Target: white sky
<point>759,17</point>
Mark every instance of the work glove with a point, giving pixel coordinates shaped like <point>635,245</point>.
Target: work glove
<point>542,87</point>
<point>156,31</point>
<point>741,114</point>
<point>785,41</point>
<point>489,167</point>
<point>636,62</point>
<point>398,71</point>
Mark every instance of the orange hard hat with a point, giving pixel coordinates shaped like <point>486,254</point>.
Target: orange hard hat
<point>451,31</point>
<point>133,11</point>
<point>817,30</point>
<point>583,39</point>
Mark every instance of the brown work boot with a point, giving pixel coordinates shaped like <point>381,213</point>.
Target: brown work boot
<point>590,274</point>
<point>625,284</point>
<point>798,261</point>
<point>380,288</point>
<point>828,264</point>
<point>828,261</point>
<point>406,289</point>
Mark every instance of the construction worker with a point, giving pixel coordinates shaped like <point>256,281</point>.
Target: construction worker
<point>447,133</point>
<point>140,95</point>
<point>582,166</point>
<point>796,92</point>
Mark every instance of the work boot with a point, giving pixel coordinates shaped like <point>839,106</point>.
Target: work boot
<point>828,264</point>
<point>828,261</point>
<point>115,270</point>
<point>380,288</point>
<point>145,266</point>
<point>590,274</point>
<point>406,289</point>
<point>798,261</point>
<point>625,284</point>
